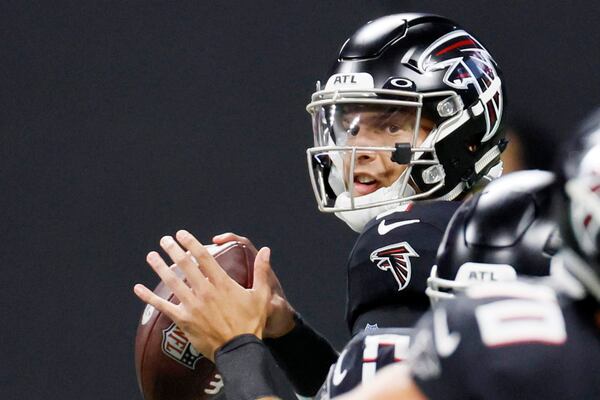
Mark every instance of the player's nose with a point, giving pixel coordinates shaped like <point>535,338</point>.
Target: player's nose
<point>365,137</point>
<point>365,156</point>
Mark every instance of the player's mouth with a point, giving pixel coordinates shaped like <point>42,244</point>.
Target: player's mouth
<point>365,184</point>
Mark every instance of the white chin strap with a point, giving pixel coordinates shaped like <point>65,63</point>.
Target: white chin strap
<point>357,219</point>
<point>494,173</point>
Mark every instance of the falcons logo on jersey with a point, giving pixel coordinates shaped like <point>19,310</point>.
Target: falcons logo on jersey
<point>396,259</point>
<point>466,63</point>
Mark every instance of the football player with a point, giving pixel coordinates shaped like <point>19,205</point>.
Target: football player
<point>411,111</point>
<point>518,340</point>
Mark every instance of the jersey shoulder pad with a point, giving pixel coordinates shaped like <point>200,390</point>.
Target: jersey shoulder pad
<point>436,213</point>
<point>497,315</point>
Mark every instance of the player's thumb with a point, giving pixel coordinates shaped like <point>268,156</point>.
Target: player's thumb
<point>262,266</point>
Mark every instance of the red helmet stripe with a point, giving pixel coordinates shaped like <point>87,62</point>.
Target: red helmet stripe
<point>454,46</point>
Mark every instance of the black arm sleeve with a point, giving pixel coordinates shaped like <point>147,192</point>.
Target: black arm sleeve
<point>249,371</point>
<point>305,356</point>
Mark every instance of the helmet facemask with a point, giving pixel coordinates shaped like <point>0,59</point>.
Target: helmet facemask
<point>352,127</point>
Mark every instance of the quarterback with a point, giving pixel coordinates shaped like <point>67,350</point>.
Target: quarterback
<point>410,112</point>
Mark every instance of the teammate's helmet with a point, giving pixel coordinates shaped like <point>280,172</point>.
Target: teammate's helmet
<point>504,231</point>
<point>413,71</point>
<point>580,222</point>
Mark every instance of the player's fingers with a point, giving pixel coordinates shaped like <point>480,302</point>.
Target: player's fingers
<point>168,276</point>
<point>228,237</point>
<point>209,266</point>
<point>232,237</point>
<point>262,267</point>
<point>185,263</point>
<point>147,296</point>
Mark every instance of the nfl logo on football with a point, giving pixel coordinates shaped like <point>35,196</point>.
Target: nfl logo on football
<point>177,346</point>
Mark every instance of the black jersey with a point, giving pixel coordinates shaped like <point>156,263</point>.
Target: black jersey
<point>508,341</point>
<point>390,263</point>
<point>362,357</point>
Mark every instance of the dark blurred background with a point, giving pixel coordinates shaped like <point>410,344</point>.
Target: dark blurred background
<point>122,121</point>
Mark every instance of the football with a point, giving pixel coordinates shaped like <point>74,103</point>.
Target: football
<point>167,365</point>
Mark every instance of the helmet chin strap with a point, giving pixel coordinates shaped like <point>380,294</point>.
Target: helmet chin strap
<point>357,219</point>
<point>494,173</point>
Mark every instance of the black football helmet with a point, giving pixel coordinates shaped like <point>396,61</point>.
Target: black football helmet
<point>579,209</point>
<point>416,70</point>
<point>504,231</point>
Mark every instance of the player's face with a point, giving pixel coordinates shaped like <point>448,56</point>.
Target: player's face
<point>379,127</point>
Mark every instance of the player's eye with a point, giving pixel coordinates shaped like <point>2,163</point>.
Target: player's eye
<point>393,129</point>
<point>397,129</point>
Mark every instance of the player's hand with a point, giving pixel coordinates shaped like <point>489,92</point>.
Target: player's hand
<point>213,309</point>
<point>280,312</point>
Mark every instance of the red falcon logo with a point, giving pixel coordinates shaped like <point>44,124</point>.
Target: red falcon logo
<point>395,258</point>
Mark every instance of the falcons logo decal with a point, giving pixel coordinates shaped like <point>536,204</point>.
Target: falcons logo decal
<point>467,63</point>
<point>396,259</point>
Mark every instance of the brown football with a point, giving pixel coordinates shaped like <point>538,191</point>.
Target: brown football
<point>167,365</point>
